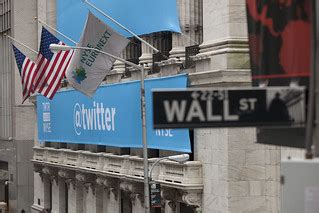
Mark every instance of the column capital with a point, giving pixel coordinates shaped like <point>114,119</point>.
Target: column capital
<point>89,185</point>
<point>171,194</point>
<point>38,168</point>
<point>70,181</point>
<point>63,173</point>
<point>85,177</point>
<point>132,187</point>
<point>193,198</point>
<point>134,196</point>
<point>172,205</point>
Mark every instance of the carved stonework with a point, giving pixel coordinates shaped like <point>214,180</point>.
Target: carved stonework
<point>172,205</point>
<point>66,174</point>
<point>85,177</point>
<point>126,186</point>
<point>69,182</point>
<point>132,187</point>
<point>54,179</point>
<point>100,180</point>
<point>87,186</point>
<point>80,177</point>
<point>171,194</point>
<point>47,170</point>
<point>41,176</point>
<point>192,198</point>
<point>134,196</point>
<point>115,192</point>
<point>38,168</point>
<point>111,182</point>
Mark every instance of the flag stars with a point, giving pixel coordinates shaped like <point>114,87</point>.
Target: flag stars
<point>46,39</point>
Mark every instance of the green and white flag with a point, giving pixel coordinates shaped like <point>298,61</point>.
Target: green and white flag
<point>88,68</point>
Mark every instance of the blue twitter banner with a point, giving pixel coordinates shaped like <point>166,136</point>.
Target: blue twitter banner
<point>112,117</point>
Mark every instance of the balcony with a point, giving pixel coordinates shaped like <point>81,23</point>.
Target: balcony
<point>168,173</point>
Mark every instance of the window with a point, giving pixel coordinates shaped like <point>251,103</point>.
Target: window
<point>163,42</point>
<point>5,15</point>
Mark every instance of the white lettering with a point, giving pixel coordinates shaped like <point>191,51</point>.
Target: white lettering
<point>97,117</point>
<point>46,127</point>
<point>113,119</point>
<point>164,133</point>
<point>210,112</point>
<point>175,110</point>
<point>108,119</point>
<point>227,116</point>
<point>243,105</point>
<point>102,117</point>
<point>247,104</point>
<point>195,111</point>
<point>89,118</point>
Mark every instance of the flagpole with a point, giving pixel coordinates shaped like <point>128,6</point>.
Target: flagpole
<point>55,30</point>
<point>15,40</point>
<point>120,25</point>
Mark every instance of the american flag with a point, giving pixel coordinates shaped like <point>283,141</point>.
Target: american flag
<point>27,72</point>
<point>51,67</point>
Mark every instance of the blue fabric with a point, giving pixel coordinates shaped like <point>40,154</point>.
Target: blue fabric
<point>112,117</point>
<point>139,16</point>
<point>47,38</point>
<point>20,57</point>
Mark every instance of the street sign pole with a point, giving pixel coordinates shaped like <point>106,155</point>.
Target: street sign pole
<point>315,72</point>
<point>310,131</point>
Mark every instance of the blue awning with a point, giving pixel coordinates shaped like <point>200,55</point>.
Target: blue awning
<point>140,16</point>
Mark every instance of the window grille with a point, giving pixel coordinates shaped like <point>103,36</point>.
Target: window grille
<point>190,51</point>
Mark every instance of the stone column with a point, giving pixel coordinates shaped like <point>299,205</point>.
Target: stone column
<point>46,191</point>
<point>137,201</point>
<point>38,203</point>
<point>112,202</point>
<point>115,75</point>
<point>224,55</point>
<point>133,196</point>
<point>100,199</point>
<point>190,22</point>
<point>75,192</point>
<point>58,195</point>
<point>107,194</point>
<point>147,53</point>
<point>89,197</point>
<point>237,174</point>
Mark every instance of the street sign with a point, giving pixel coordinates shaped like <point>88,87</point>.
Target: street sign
<point>248,107</point>
<point>155,191</point>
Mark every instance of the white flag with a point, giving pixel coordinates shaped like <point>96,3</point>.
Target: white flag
<point>88,67</point>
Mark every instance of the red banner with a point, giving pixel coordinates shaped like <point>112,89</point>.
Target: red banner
<point>280,34</point>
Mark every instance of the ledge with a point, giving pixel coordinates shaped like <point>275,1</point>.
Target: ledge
<point>236,77</point>
<point>187,176</point>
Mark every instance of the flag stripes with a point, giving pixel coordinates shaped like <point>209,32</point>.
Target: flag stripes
<point>51,67</point>
<point>27,69</point>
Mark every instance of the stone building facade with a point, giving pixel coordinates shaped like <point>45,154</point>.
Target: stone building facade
<point>227,172</point>
<point>16,120</point>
